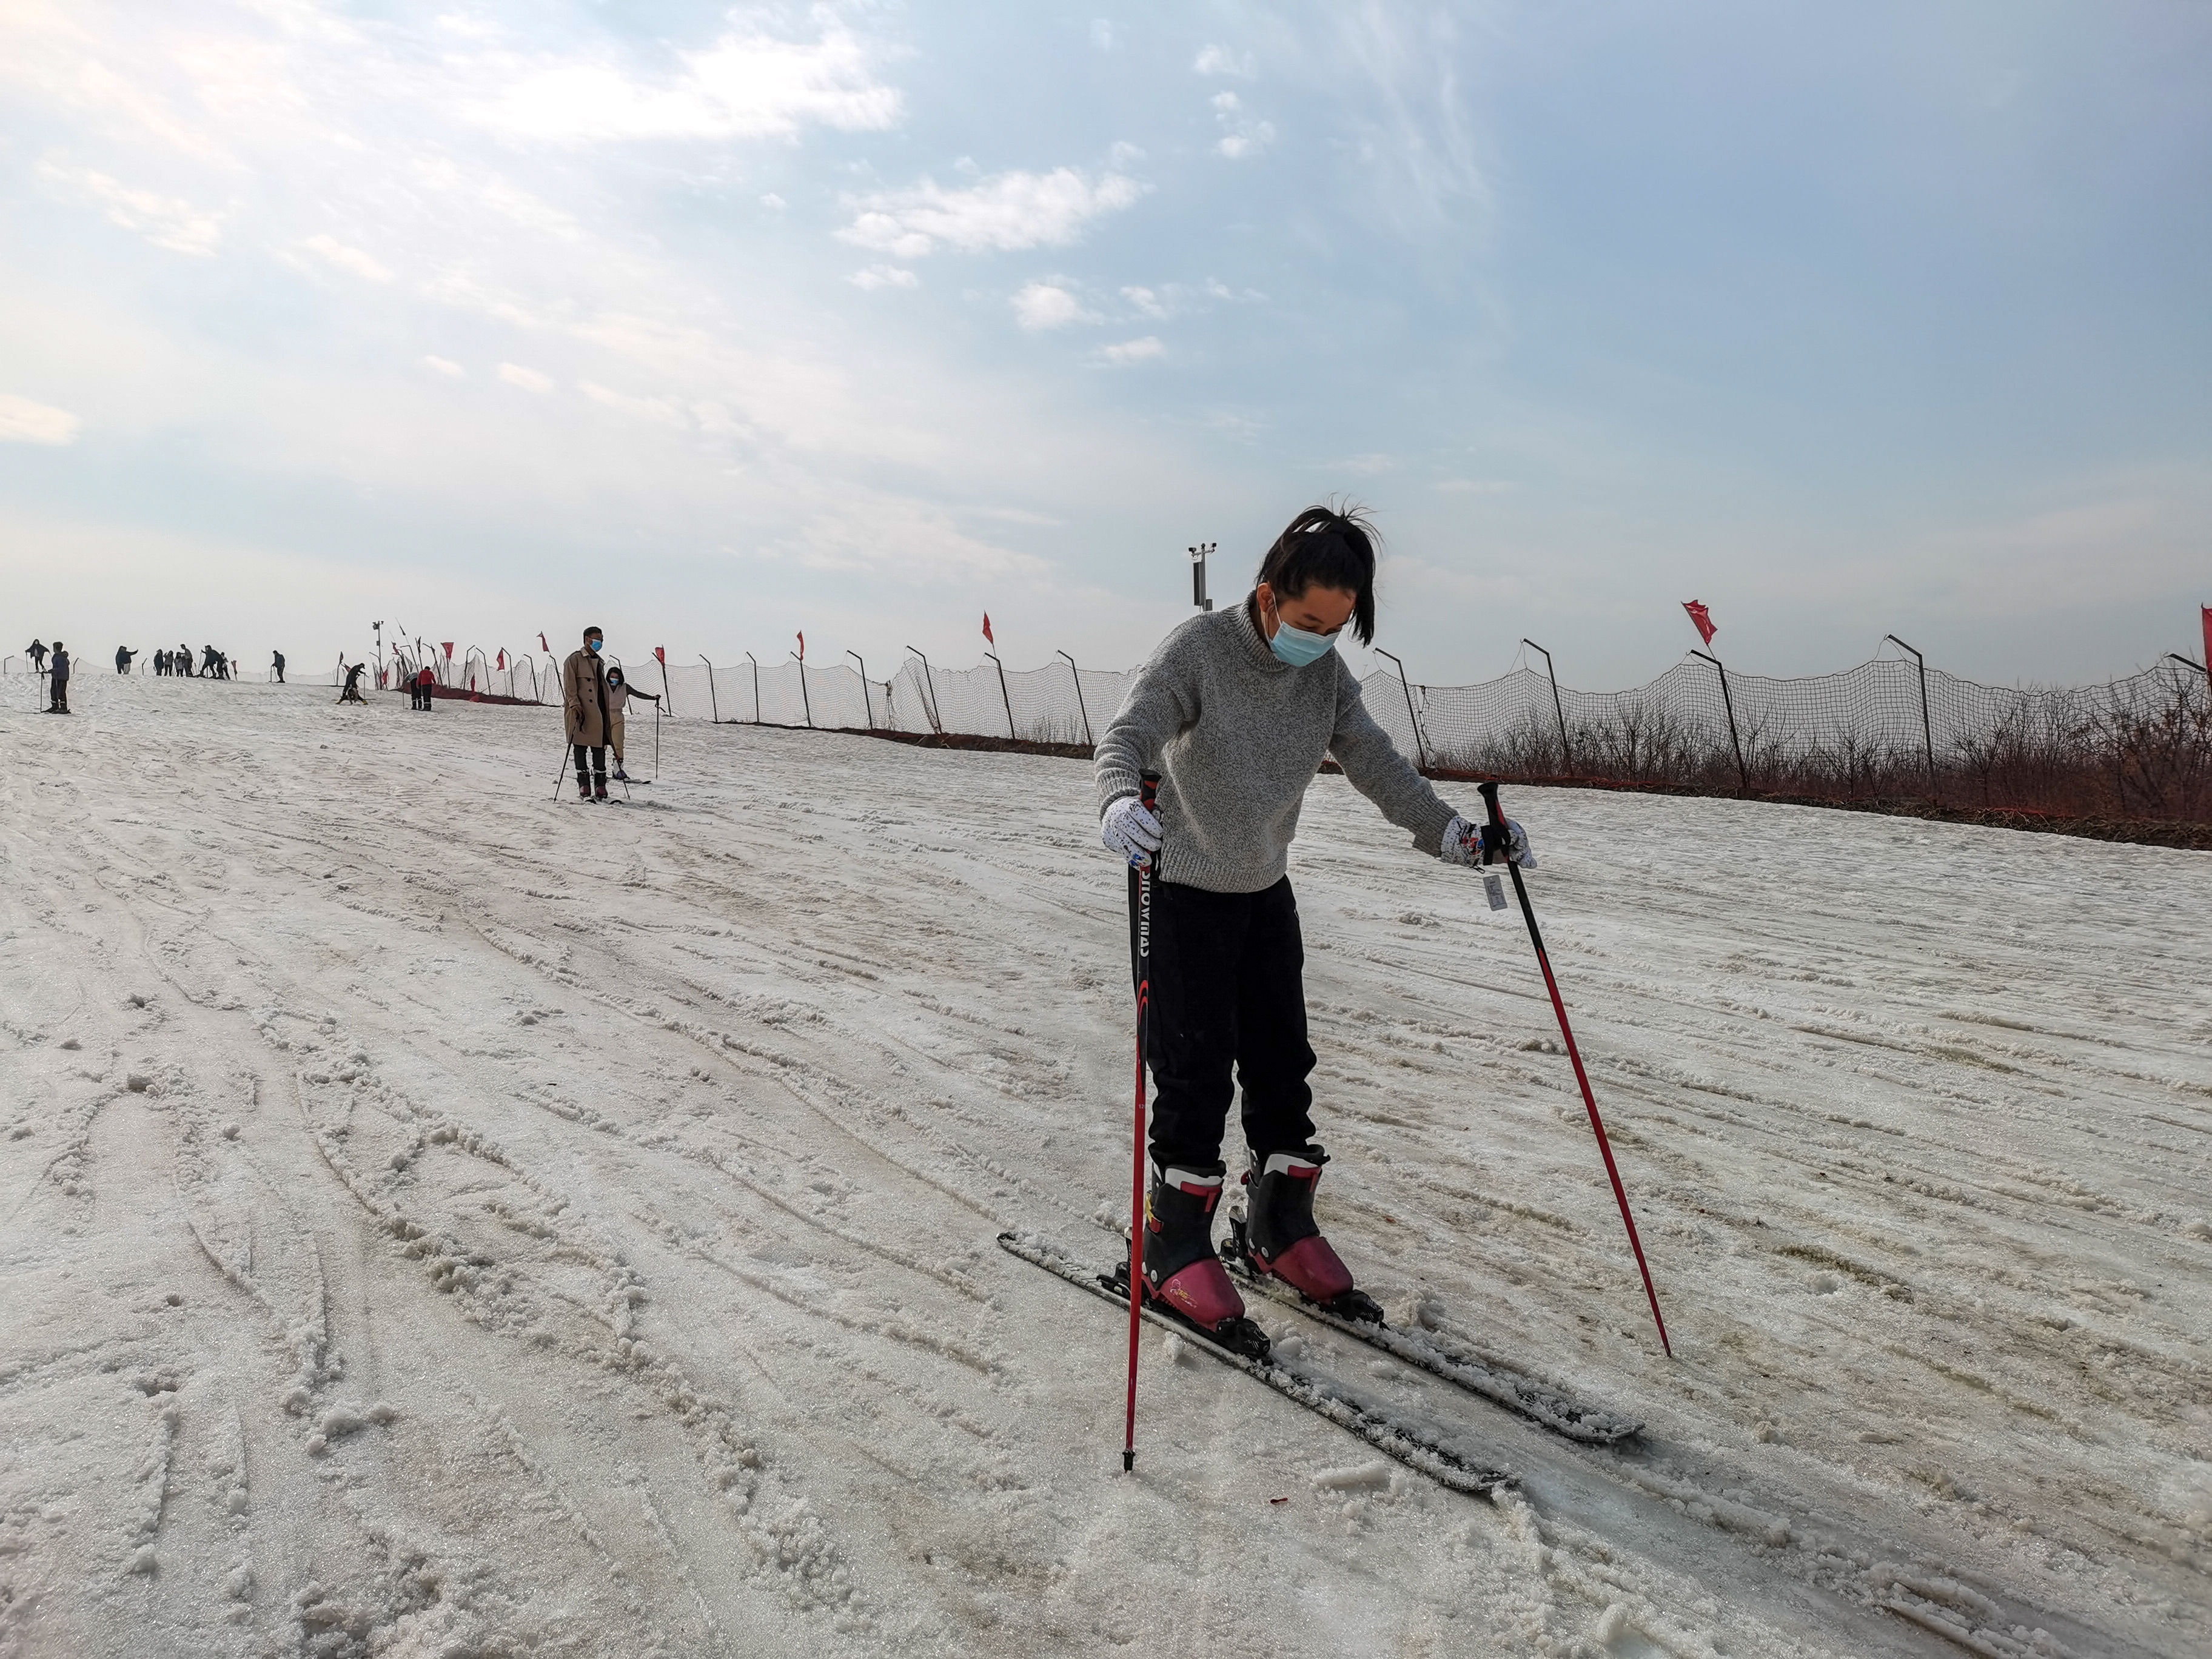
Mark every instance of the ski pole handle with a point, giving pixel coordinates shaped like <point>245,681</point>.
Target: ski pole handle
<point>1148,789</point>
<point>1497,839</point>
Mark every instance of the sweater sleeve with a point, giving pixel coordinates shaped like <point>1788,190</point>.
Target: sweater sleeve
<point>1162,701</point>
<point>1385,776</point>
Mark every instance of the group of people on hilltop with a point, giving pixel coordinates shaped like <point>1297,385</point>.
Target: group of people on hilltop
<point>214,664</point>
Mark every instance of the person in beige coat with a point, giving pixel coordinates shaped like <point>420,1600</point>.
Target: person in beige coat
<point>588,705</point>
<point>619,692</point>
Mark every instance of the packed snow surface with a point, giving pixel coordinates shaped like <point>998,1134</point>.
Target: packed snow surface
<point>434,1220</point>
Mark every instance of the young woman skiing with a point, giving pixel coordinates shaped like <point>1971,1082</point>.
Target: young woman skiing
<point>1235,711</point>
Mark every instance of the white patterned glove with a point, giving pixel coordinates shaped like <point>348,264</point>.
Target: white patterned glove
<point>1463,843</point>
<point>1129,829</point>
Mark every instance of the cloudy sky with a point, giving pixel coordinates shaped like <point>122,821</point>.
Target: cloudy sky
<point>711,325</point>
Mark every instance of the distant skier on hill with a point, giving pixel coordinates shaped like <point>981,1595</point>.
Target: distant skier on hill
<point>352,692</point>
<point>1237,709</point>
<point>182,662</point>
<point>38,655</point>
<point>59,684</point>
<point>277,666</point>
<point>123,656</point>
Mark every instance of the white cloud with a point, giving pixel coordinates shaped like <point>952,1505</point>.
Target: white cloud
<point>1134,351</point>
<point>23,422</point>
<point>331,251</point>
<point>750,86</point>
<point>528,378</point>
<point>166,221</point>
<point>774,200</point>
<point>1220,60</point>
<point>1101,34</point>
<point>1010,212</point>
<point>445,366</point>
<point>657,412</point>
<point>1240,137</point>
<point>1042,305</point>
<point>876,277</point>
<point>1146,302</point>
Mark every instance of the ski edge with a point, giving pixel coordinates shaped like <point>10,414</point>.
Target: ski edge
<point>1445,1468</point>
<point>1544,1406</point>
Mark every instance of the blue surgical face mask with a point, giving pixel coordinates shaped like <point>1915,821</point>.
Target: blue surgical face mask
<point>593,644</point>
<point>1298,647</point>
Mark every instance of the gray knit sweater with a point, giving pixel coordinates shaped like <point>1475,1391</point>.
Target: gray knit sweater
<point>1238,735</point>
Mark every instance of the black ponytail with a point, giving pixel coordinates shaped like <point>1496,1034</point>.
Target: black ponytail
<point>1325,548</point>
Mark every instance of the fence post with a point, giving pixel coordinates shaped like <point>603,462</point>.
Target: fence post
<point>1420,743</point>
<point>1004,695</point>
<point>805,702</point>
<point>1566,750</point>
<point>1926,726</point>
<point>1076,674</point>
<point>2203,668</point>
<point>714,702</point>
<point>754,661</point>
<point>929,697</point>
<point>1742,773</point>
<point>867,707</point>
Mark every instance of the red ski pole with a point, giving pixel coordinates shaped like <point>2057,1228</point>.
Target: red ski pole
<point>1141,946</point>
<point>1489,794</point>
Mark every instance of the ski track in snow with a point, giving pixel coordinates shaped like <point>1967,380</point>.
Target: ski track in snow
<point>438,1221</point>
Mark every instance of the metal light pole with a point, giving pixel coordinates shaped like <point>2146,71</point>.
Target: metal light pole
<point>1199,554</point>
<point>1420,743</point>
<point>1076,674</point>
<point>1566,754</point>
<point>865,704</point>
<point>1926,726</point>
<point>929,696</point>
<point>380,655</point>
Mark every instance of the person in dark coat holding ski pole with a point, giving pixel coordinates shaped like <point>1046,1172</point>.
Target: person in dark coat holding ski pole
<point>587,708</point>
<point>59,682</point>
<point>1237,709</point>
<point>123,656</point>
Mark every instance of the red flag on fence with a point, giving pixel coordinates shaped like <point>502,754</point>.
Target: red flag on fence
<point>542,646</point>
<point>660,655</point>
<point>802,646</point>
<point>448,644</point>
<point>502,659</point>
<point>987,629</point>
<point>1702,618</point>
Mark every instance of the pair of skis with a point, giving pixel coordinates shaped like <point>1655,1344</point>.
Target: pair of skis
<point>1412,1446</point>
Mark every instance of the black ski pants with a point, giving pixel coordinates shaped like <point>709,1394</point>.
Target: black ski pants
<point>595,781</point>
<point>1228,994</point>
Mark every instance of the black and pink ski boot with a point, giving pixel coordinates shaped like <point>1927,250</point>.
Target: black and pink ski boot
<point>1183,1275</point>
<point>1277,1234</point>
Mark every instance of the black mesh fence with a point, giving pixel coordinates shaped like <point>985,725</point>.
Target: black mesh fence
<point>2137,747</point>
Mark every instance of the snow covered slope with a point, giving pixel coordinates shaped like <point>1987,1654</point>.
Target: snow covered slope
<point>434,1220</point>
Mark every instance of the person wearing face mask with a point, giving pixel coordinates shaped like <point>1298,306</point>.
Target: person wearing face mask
<point>619,692</point>
<point>1235,711</point>
<point>585,702</point>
